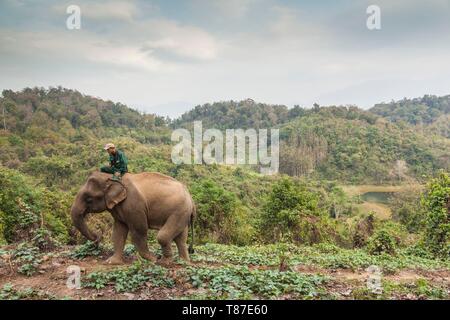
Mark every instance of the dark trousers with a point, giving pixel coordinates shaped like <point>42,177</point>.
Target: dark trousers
<point>107,169</point>
<point>112,170</point>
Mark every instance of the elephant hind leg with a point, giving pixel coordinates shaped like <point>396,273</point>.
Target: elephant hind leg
<point>180,240</point>
<point>169,231</point>
<point>165,238</point>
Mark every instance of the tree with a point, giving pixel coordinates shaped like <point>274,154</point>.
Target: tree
<point>437,203</point>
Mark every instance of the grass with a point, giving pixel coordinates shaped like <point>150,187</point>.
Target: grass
<point>381,211</point>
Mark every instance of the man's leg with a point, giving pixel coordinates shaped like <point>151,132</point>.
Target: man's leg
<point>111,171</point>
<point>107,169</point>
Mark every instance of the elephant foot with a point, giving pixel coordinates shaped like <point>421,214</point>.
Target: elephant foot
<point>165,261</point>
<point>149,256</point>
<point>114,260</point>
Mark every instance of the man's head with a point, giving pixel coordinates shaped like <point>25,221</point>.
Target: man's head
<point>110,148</point>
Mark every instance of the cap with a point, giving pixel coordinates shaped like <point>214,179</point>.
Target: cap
<point>109,145</point>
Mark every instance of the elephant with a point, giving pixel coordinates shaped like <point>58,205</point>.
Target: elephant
<point>138,202</point>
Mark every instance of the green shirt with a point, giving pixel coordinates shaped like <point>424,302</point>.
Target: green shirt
<point>119,162</point>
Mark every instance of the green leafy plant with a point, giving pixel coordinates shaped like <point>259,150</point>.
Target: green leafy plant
<point>381,242</point>
<point>437,222</point>
<point>9,292</point>
<point>240,282</point>
<point>43,240</point>
<point>28,257</point>
<point>131,278</point>
<point>87,249</point>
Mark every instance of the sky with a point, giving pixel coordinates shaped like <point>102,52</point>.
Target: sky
<point>166,57</point>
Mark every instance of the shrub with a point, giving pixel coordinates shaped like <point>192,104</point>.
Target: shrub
<point>25,208</point>
<point>17,206</point>
<point>437,222</point>
<point>381,242</point>
<point>407,210</point>
<point>285,207</point>
<point>43,240</point>
<point>238,228</point>
<point>363,230</point>
<point>28,258</point>
<point>215,206</point>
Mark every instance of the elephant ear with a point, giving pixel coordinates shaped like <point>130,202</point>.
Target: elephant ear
<point>115,194</point>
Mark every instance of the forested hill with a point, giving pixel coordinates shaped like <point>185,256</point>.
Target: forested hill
<point>345,144</point>
<point>38,112</point>
<point>336,142</point>
<point>430,111</point>
<point>349,144</point>
<point>237,114</point>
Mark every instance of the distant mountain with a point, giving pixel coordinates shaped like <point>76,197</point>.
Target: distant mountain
<point>431,112</point>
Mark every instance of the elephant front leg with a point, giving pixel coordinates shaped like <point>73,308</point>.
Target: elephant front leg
<point>139,238</point>
<point>119,237</point>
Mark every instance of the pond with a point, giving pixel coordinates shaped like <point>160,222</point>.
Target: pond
<point>379,197</point>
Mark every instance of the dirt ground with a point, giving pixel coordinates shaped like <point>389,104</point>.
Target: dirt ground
<point>50,280</point>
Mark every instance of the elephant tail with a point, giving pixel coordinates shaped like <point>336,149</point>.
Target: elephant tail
<point>191,225</point>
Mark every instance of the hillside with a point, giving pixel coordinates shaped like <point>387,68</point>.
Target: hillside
<point>301,232</point>
<point>349,144</point>
<point>334,143</point>
<point>429,113</point>
<point>236,114</point>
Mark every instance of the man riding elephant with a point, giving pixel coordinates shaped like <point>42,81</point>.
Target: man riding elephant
<point>117,162</point>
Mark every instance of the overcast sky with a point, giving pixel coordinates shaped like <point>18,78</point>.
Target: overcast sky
<point>168,56</point>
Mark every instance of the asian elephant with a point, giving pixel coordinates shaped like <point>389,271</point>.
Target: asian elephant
<point>137,203</point>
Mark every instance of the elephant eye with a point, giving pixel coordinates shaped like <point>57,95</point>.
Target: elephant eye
<point>89,199</point>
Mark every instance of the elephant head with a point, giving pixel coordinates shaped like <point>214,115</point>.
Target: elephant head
<point>98,194</point>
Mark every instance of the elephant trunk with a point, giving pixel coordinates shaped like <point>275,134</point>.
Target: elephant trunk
<point>78,214</point>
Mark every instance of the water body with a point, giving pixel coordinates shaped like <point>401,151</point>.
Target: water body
<point>378,197</point>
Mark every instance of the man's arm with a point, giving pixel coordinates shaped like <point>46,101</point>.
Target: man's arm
<point>123,163</point>
<point>111,159</point>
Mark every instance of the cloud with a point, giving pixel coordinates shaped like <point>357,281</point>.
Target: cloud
<point>119,10</point>
<point>228,8</point>
<point>71,46</point>
<point>172,40</point>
